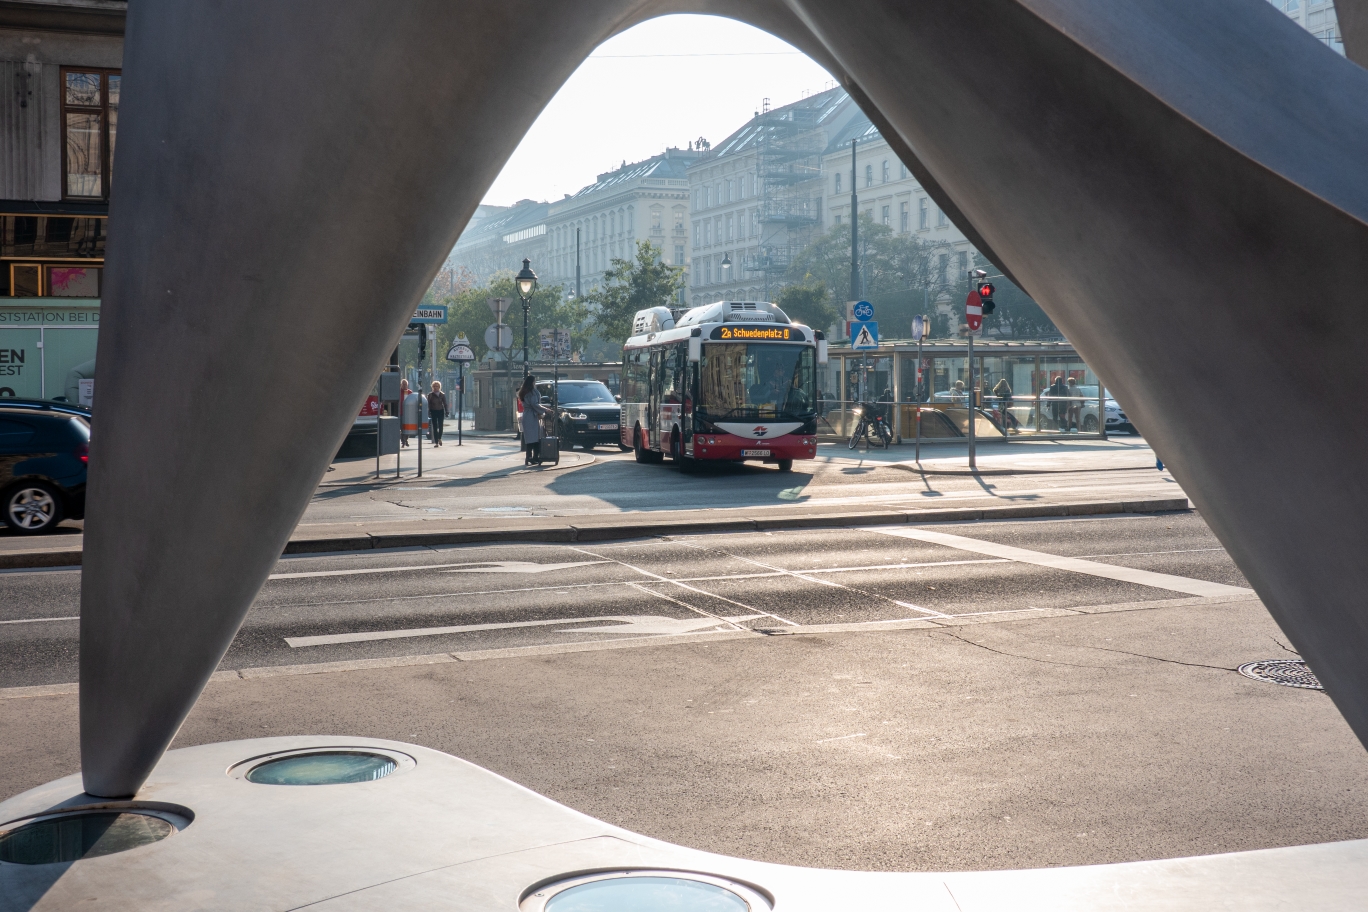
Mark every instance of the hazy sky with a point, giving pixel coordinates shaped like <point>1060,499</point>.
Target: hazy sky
<point>664,83</point>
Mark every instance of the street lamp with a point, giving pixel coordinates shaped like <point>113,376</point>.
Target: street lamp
<point>526,281</point>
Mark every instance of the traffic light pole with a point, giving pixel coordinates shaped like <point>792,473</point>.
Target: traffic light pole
<point>973,405</point>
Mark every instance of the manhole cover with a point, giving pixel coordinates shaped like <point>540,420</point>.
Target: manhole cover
<point>1287,672</point>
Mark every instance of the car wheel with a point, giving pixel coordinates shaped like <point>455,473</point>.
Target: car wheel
<point>786,465</point>
<point>1090,424</point>
<point>32,508</point>
<point>588,446</point>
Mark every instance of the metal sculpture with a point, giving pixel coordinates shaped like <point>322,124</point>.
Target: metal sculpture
<point>1179,182</point>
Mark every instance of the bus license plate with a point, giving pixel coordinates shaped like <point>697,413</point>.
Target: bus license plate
<point>755,452</point>
<point>607,427</point>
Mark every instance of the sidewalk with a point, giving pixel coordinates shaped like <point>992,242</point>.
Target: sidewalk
<point>483,459</point>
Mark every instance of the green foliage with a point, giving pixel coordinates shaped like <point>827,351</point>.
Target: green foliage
<point>468,312</point>
<point>902,275</point>
<point>809,302</point>
<point>630,286</point>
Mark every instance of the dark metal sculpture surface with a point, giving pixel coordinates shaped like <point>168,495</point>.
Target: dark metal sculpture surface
<point>1179,182</point>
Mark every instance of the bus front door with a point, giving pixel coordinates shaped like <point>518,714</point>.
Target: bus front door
<point>652,428</point>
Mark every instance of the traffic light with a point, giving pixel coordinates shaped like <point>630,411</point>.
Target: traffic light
<point>985,290</point>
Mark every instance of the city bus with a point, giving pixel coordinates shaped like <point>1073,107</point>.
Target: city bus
<point>731,381</point>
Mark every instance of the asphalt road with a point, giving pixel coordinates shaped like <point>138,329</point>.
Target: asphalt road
<point>425,601</point>
<point>1047,692</point>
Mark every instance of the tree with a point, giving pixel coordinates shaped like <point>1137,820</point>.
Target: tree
<point>468,312</point>
<point>630,286</point>
<point>1017,315</point>
<point>809,302</point>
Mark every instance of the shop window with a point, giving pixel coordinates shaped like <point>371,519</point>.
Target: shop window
<point>67,281</point>
<point>25,280</point>
<point>90,120</point>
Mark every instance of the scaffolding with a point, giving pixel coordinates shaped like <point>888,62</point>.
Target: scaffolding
<point>788,178</point>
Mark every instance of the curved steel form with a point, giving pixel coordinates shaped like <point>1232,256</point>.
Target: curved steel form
<point>1179,182</point>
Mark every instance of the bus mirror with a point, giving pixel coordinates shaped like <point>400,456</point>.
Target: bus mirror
<point>695,349</point>
<point>821,351</point>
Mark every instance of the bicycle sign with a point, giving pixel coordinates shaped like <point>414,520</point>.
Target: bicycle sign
<point>863,311</point>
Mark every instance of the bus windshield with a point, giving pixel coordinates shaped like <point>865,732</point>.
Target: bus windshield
<point>756,380</point>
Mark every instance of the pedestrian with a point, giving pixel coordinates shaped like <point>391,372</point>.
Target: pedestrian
<point>957,394</point>
<point>437,407</point>
<point>1003,391</point>
<point>1075,415</point>
<point>1059,408</point>
<point>404,393</point>
<point>531,419</point>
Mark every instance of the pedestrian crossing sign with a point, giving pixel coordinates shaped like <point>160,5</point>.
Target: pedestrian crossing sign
<point>864,335</point>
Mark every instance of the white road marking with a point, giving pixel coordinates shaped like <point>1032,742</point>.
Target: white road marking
<point>1073,564</point>
<point>639,625</point>
<point>660,595</point>
<point>682,585</point>
<point>467,567</point>
<point>40,620</point>
<point>842,738</point>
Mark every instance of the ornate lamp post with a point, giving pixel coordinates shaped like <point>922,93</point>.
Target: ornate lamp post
<point>527,283</point>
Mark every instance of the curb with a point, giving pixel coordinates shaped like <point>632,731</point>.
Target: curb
<point>584,459</point>
<point>923,470</point>
<point>638,528</point>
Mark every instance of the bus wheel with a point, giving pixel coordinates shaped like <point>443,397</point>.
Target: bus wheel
<point>643,454</point>
<point>786,465</point>
<point>682,462</point>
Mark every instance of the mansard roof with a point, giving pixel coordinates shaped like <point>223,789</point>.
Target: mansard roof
<point>814,111</point>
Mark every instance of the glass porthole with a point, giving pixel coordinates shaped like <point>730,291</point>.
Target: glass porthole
<point>322,768</point>
<point>645,891</point>
<point>78,834</point>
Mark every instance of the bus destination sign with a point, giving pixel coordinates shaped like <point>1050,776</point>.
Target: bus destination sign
<point>755,334</point>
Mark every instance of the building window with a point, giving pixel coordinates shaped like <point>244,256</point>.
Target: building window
<point>755,222</point>
<point>679,255</point>
<point>707,271</point>
<point>679,219</point>
<point>887,220</point>
<point>941,220</point>
<point>656,216</point>
<point>923,213</point>
<point>902,171</point>
<point>697,235</point>
<point>729,228</point>
<point>885,171</point>
<point>707,233</point>
<point>90,120</point>
<point>836,219</point>
<point>838,182</point>
<point>963,259</point>
<point>631,220</point>
<point>904,217</point>
<point>869,175</point>
<point>943,265</point>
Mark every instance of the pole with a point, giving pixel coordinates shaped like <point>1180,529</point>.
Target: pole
<point>854,229</point>
<point>578,292</point>
<point>422,406</point>
<point>460,401</point>
<point>1102,408</point>
<point>527,309</point>
<point>916,391</point>
<point>973,403</point>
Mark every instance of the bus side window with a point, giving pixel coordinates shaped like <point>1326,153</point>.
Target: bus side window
<point>669,374</point>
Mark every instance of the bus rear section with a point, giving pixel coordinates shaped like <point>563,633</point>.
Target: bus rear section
<point>731,381</point>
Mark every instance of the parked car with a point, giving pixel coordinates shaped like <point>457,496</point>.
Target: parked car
<point>44,451</point>
<point>587,414</point>
<point>1116,417</point>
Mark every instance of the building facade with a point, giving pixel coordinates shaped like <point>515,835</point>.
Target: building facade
<point>888,194</point>
<point>1317,17</point>
<point>756,198</point>
<point>60,81</point>
<point>642,201</point>
<point>500,238</point>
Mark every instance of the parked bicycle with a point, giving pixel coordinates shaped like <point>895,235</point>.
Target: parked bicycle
<point>872,427</point>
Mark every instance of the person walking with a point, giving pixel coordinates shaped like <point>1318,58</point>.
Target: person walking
<point>404,393</point>
<point>437,408</point>
<point>531,419</point>
<point>1003,392</point>
<point>1075,415</point>
<point>1058,406</point>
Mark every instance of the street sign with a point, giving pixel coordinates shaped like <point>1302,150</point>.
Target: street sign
<point>499,307</point>
<point>863,311</point>
<point>918,328</point>
<point>430,313</point>
<point>460,351</point>
<point>864,336</point>
<point>973,311</point>
<point>499,336</point>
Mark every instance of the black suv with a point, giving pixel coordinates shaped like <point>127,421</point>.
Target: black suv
<point>587,414</point>
<point>44,449</point>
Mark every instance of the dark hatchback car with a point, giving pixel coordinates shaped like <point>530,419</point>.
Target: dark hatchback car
<point>44,450</point>
<point>587,414</point>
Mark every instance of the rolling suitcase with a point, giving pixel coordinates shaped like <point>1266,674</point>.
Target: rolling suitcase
<point>550,448</point>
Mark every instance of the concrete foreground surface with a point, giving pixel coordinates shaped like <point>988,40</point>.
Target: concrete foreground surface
<point>1109,725</point>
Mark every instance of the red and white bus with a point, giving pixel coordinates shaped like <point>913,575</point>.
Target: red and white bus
<point>731,381</point>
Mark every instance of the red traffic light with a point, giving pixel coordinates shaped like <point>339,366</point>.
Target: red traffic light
<point>985,289</point>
